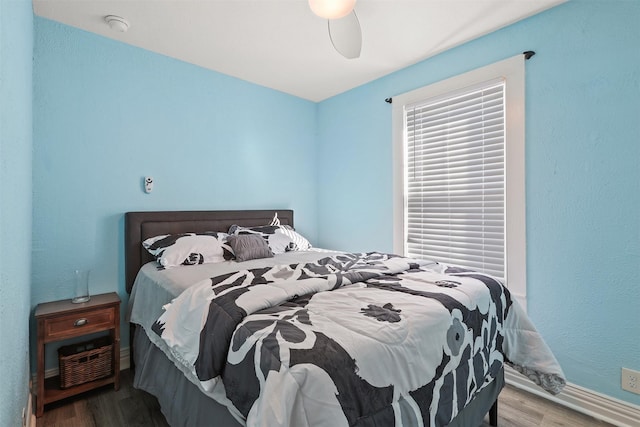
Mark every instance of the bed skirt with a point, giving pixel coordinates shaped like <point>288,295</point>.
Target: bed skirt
<point>184,405</point>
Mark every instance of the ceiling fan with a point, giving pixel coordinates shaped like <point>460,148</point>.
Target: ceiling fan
<point>343,25</point>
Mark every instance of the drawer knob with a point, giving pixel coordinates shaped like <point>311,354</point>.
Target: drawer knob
<point>80,322</point>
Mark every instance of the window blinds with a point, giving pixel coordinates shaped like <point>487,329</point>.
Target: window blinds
<point>455,179</point>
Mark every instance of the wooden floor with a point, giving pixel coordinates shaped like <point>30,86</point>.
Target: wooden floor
<point>130,407</point>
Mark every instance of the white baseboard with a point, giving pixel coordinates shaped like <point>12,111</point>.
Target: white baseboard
<point>30,416</point>
<point>600,406</point>
<point>124,358</point>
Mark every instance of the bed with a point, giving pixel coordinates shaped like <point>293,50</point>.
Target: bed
<point>334,377</point>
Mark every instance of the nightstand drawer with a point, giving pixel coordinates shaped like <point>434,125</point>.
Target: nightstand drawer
<point>82,322</point>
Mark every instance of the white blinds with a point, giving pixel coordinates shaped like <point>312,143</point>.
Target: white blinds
<point>456,179</point>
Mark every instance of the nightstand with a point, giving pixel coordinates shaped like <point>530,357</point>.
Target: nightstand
<point>61,320</point>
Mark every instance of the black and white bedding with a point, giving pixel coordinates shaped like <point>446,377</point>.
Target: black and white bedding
<point>350,339</point>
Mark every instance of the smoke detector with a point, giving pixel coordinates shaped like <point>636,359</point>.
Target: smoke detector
<point>117,23</point>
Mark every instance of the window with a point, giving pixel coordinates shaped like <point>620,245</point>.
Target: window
<point>459,173</point>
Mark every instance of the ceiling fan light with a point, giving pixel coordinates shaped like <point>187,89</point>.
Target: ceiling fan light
<point>332,9</point>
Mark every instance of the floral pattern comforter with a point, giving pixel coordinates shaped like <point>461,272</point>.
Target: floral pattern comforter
<point>363,339</point>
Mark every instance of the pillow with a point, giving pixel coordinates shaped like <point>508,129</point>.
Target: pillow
<point>172,250</point>
<point>249,246</point>
<point>275,220</point>
<point>280,238</point>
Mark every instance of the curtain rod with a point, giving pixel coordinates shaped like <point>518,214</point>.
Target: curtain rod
<point>527,55</point>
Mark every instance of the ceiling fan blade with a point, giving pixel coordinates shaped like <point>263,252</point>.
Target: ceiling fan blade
<point>346,35</point>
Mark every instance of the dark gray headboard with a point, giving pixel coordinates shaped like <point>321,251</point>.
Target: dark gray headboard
<point>139,226</point>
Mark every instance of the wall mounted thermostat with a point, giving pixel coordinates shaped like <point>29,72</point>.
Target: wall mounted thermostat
<point>148,184</point>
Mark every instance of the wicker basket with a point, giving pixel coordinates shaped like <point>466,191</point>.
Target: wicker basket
<point>86,361</point>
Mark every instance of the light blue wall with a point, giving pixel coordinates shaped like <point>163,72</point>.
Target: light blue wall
<point>16,49</point>
<point>583,176</point>
<point>106,114</point>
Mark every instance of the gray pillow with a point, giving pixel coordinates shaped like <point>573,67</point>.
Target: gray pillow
<point>249,246</point>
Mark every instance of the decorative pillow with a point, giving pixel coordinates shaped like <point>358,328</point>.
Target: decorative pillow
<point>249,246</point>
<point>280,238</point>
<point>189,248</point>
<point>275,220</point>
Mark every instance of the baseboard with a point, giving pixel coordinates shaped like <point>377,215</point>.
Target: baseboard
<point>124,364</point>
<point>29,415</point>
<point>124,358</point>
<point>602,407</point>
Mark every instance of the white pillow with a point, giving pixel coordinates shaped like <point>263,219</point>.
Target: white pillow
<point>172,250</point>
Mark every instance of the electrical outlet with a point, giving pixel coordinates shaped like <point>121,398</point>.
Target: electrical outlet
<point>631,380</point>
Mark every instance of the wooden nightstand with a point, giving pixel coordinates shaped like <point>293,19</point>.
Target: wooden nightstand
<point>61,320</point>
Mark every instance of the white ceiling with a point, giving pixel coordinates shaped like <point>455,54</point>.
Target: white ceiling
<point>282,45</point>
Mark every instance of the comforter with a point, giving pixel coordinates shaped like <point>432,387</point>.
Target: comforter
<point>364,339</point>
